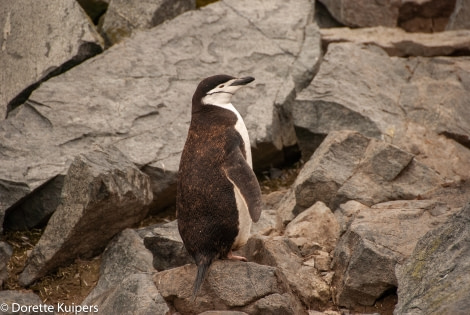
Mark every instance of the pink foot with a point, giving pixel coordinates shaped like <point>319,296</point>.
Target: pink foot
<point>231,256</point>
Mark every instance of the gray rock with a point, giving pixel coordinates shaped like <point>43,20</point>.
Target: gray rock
<point>406,102</point>
<point>136,294</point>
<point>378,239</point>
<point>166,246</point>
<point>397,42</point>
<point>435,278</point>
<point>124,256</point>
<point>350,166</point>
<point>10,193</point>
<point>364,13</point>
<point>460,17</point>
<point>19,298</point>
<point>101,189</point>
<point>267,223</point>
<point>5,254</point>
<point>282,253</point>
<point>425,15</point>
<point>32,50</point>
<point>123,17</point>
<point>35,209</point>
<point>138,98</point>
<point>316,225</point>
<point>223,313</point>
<point>234,285</point>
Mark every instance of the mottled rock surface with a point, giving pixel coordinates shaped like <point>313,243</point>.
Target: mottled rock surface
<point>31,50</point>
<point>137,95</point>
<point>435,278</point>
<point>103,194</point>
<point>379,239</point>
<point>5,254</point>
<point>123,16</point>
<point>241,286</point>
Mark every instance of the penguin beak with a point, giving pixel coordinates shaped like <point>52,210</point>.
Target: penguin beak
<point>242,81</point>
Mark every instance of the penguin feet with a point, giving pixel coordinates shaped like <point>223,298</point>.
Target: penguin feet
<point>231,256</point>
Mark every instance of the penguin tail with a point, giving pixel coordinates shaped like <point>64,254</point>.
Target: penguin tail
<point>203,263</point>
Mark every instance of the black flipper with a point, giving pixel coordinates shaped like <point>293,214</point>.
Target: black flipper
<point>242,176</point>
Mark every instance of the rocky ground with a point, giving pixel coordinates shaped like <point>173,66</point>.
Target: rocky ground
<point>359,123</point>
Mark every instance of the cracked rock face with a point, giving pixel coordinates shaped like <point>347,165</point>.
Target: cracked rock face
<point>33,49</point>
<point>137,95</point>
<point>377,240</point>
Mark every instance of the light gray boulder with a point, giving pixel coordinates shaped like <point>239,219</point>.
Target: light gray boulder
<point>435,278</point>
<point>124,256</point>
<point>418,104</point>
<point>5,254</point>
<point>103,194</point>
<point>377,240</point>
<point>397,42</point>
<point>13,299</point>
<point>136,294</point>
<point>364,13</point>
<point>315,226</point>
<point>137,95</point>
<point>304,280</point>
<point>33,49</point>
<point>460,17</point>
<point>230,285</point>
<point>122,17</point>
<point>350,166</point>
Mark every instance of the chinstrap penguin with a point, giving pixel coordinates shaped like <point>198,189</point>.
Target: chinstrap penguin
<point>218,195</point>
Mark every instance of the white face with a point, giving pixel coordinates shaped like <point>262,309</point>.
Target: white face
<point>222,94</point>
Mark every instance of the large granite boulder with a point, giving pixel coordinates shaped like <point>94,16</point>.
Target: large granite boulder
<point>123,16</point>
<point>377,240</point>
<point>103,194</point>
<point>40,40</point>
<point>435,279</point>
<point>230,285</point>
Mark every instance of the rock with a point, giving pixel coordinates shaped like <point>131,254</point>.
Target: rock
<point>435,278</point>
<point>411,15</point>
<point>267,223</point>
<point>425,15</point>
<point>378,239</point>
<point>101,188</point>
<point>246,287</point>
<point>123,17</point>
<point>34,210</point>
<point>124,256</point>
<point>315,225</point>
<point>364,13</point>
<point>5,254</point>
<point>166,246</point>
<point>94,8</point>
<point>14,299</point>
<point>350,166</point>
<point>10,193</point>
<point>397,42</point>
<point>394,99</point>
<point>287,210</point>
<point>34,50</point>
<point>282,253</point>
<point>138,98</point>
<point>136,294</point>
<point>222,313</point>
<point>460,17</point>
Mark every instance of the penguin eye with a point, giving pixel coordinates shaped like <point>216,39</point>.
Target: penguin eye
<point>221,86</point>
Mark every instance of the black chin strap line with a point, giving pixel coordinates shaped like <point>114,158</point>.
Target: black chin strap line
<point>220,92</point>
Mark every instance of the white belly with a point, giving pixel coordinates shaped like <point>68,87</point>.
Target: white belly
<point>244,220</point>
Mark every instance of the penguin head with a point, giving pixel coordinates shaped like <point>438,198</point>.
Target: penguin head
<point>217,90</point>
